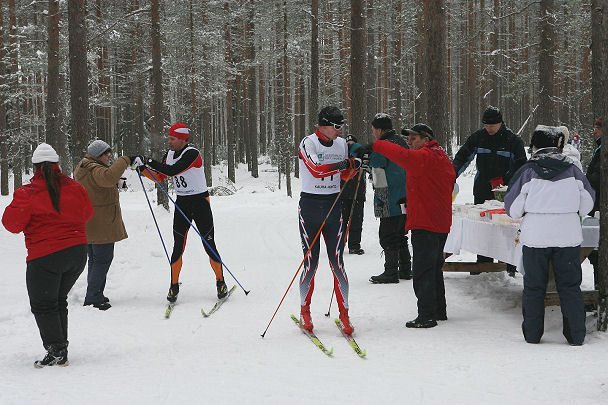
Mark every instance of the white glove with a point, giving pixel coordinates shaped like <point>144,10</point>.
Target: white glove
<point>137,162</point>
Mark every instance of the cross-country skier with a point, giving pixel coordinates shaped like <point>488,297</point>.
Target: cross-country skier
<point>185,165</point>
<point>323,161</point>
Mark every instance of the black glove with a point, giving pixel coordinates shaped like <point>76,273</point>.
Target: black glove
<point>350,163</point>
<point>364,150</point>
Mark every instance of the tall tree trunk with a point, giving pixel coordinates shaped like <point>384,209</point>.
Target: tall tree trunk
<point>422,49</point>
<point>157,94</point>
<point>3,134</point>
<point>79,76</point>
<point>546,72</point>
<point>357,69</point>
<point>252,115</point>
<point>371,102</point>
<point>206,118</point>
<point>54,134</point>
<point>313,102</point>
<point>229,95</point>
<point>17,135</point>
<point>102,109</point>
<point>288,151</point>
<point>599,49</point>
<point>437,100</point>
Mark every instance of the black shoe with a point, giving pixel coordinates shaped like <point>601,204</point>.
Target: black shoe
<point>441,316</point>
<point>421,323</point>
<point>102,306</point>
<point>384,279</point>
<point>53,357</point>
<point>173,291</point>
<point>106,299</point>
<point>222,290</point>
<point>357,251</point>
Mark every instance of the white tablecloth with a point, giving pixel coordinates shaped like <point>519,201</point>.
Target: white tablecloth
<point>497,240</point>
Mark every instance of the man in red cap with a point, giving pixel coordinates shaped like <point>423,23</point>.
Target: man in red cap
<point>185,165</point>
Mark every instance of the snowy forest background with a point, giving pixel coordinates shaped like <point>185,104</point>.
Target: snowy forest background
<point>248,77</point>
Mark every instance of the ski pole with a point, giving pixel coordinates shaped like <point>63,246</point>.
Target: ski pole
<point>305,256</point>
<point>195,228</point>
<point>350,217</point>
<point>154,217</point>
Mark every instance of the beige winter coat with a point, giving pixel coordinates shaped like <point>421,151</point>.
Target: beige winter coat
<point>106,226</point>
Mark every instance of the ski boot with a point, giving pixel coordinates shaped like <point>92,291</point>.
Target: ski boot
<point>173,291</point>
<point>305,319</point>
<point>222,290</point>
<point>346,326</point>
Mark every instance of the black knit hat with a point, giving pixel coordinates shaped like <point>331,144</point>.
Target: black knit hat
<point>419,129</point>
<point>491,115</point>
<point>545,136</point>
<point>351,138</point>
<point>329,116</point>
<point>382,121</point>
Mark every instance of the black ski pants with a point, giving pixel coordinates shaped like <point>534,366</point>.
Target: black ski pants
<point>356,222</point>
<point>427,271</point>
<point>49,279</point>
<point>568,277</point>
<point>198,211</point>
<point>312,210</point>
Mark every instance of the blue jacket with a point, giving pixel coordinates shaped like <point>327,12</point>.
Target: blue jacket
<point>388,179</point>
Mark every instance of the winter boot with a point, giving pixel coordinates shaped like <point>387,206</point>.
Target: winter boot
<point>56,355</point>
<point>347,328</point>
<point>421,323</point>
<point>356,251</point>
<point>305,319</point>
<point>405,264</point>
<point>391,269</point>
<point>173,291</point>
<point>222,290</point>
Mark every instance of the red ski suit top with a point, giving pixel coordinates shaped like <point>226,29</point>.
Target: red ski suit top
<point>430,178</point>
<point>46,230</point>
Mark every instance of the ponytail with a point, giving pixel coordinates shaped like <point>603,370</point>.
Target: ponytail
<point>51,177</point>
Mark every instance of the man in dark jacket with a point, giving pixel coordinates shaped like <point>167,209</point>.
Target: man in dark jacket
<point>499,151</point>
<point>593,175</point>
<point>389,191</point>
<point>348,198</point>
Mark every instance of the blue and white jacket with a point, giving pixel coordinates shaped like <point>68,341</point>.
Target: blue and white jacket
<point>550,194</point>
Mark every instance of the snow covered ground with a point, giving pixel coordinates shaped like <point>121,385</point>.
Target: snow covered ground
<point>130,354</point>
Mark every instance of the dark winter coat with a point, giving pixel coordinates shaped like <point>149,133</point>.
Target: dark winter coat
<point>498,155</point>
<point>46,230</point>
<point>593,174</point>
<point>430,181</point>
<point>388,179</point>
<point>106,226</point>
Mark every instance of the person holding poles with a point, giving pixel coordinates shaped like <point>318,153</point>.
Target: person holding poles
<point>185,165</point>
<point>324,160</point>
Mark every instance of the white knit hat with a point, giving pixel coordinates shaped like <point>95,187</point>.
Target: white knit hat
<point>45,153</point>
<point>97,148</point>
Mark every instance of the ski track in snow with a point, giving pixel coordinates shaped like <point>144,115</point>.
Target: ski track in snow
<point>130,354</point>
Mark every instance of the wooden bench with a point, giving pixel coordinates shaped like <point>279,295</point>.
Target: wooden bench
<point>589,297</point>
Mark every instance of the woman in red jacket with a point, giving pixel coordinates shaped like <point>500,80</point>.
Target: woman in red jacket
<point>51,212</point>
